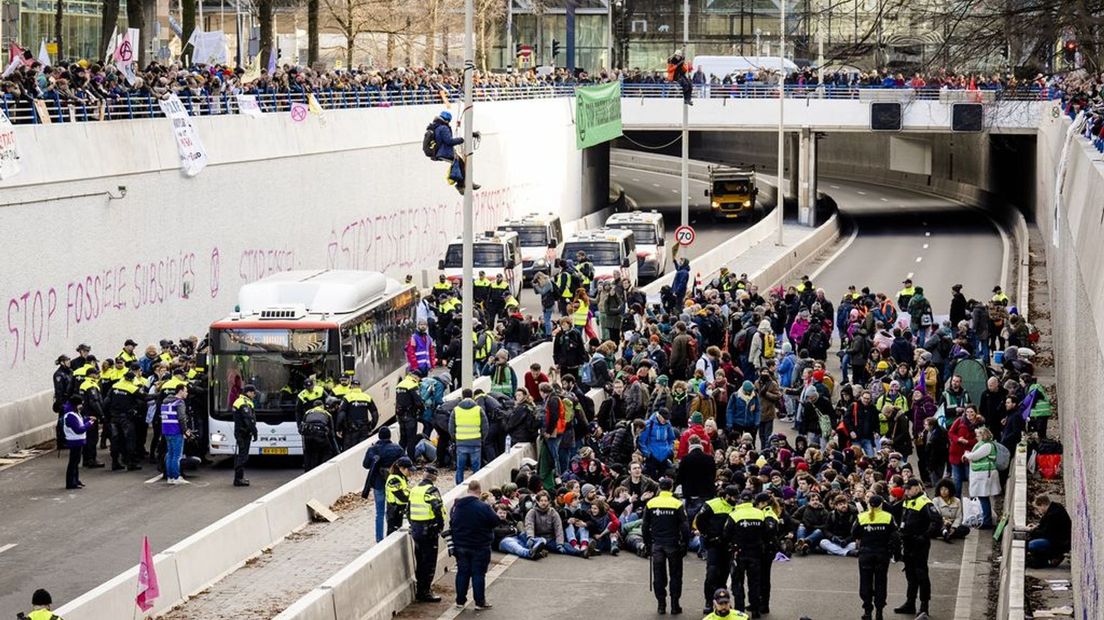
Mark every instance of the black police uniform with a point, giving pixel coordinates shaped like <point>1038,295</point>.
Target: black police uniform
<point>126,404</point>
<point>919,521</point>
<point>666,532</point>
<point>710,523</point>
<point>93,407</point>
<point>245,432</point>
<point>319,441</point>
<point>771,546</point>
<point>427,521</point>
<point>746,534</point>
<point>356,418</point>
<point>408,410</point>
<point>879,542</point>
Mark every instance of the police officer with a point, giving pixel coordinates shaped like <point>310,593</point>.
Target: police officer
<point>408,410</point>
<point>745,533</point>
<point>879,542</point>
<point>126,403</point>
<point>398,493</point>
<point>65,384</point>
<point>722,607</point>
<point>565,284</point>
<point>319,441</point>
<point>245,431</point>
<point>357,416</point>
<point>481,289</point>
<point>666,532</point>
<point>89,391</point>
<point>306,397</point>
<point>427,522</point>
<point>41,606</point>
<point>127,353</point>
<point>468,428</point>
<point>497,293</point>
<point>344,384</point>
<point>710,523</point>
<point>771,547</point>
<point>919,521</point>
<point>441,286</point>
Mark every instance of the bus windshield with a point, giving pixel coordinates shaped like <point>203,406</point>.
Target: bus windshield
<point>603,253</point>
<point>277,361</point>
<point>731,187</point>
<point>644,234</point>
<point>529,236</point>
<point>483,255</point>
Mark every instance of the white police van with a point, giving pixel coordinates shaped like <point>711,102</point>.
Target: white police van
<point>493,253</point>
<point>611,251</point>
<point>648,231</point>
<point>541,237</point>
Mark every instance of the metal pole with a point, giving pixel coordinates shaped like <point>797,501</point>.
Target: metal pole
<point>685,185</point>
<point>511,54</point>
<point>609,37</point>
<point>466,358</point>
<point>779,207</point>
<point>820,49</point>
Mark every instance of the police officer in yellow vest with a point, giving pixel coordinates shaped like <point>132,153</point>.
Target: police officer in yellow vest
<point>306,396</point>
<point>875,531</point>
<point>497,293</point>
<point>468,427</point>
<point>481,288</point>
<point>999,296</point>
<point>344,384</point>
<point>41,604</point>
<point>89,390</point>
<point>666,532</point>
<point>126,404</point>
<point>722,607</point>
<point>710,522</point>
<point>427,522</point>
<point>581,312</point>
<point>746,533</point>
<point>357,416</point>
<point>905,294</point>
<point>919,521</point>
<point>482,343</point>
<point>397,493</point>
<point>441,286</point>
<point>245,432</point>
<point>319,436</point>
<point>771,547</point>
<point>584,268</point>
<point>565,282</point>
<point>128,351</point>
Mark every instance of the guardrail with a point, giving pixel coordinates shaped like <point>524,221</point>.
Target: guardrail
<point>55,109</point>
<point>1011,597</point>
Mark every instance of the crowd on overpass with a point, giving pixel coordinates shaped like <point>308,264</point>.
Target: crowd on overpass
<point>1082,91</point>
<point>915,421</point>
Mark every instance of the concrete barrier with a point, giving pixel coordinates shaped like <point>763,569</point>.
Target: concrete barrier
<point>27,422</point>
<point>786,268</point>
<point>1011,602</point>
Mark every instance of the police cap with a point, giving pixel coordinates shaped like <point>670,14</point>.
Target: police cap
<point>405,462</point>
<point>722,595</point>
<point>249,387</point>
<point>430,470</point>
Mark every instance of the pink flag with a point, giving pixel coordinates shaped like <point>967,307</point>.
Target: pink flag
<point>147,579</point>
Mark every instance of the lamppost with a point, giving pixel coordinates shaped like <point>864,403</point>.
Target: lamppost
<point>685,185</point>
<point>466,357</point>
<point>781,199</point>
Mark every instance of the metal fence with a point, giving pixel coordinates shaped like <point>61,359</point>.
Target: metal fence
<point>54,109</point>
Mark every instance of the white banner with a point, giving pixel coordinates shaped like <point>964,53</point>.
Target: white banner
<point>247,105</point>
<point>126,55</point>
<point>209,48</point>
<point>9,154</point>
<point>193,157</point>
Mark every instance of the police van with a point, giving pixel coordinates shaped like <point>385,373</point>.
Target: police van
<point>541,237</point>
<point>493,253</point>
<point>648,231</point>
<point>611,251</point>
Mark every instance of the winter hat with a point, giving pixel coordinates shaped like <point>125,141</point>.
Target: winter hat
<point>802,466</point>
<point>696,417</point>
<point>787,348</point>
<point>788,493</point>
<point>568,498</point>
<point>897,492</point>
<point>764,325</point>
<point>818,375</point>
<point>747,387</point>
<point>662,380</point>
<point>587,489</point>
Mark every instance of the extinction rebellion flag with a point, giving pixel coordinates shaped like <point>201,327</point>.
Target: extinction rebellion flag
<point>597,114</point>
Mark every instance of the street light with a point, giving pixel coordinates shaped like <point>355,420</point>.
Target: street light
<point>466,357</point>
<point>685,185</point>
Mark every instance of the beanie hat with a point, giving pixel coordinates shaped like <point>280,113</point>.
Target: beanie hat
<point>802,466</point>
<point>818,375</point>
<point>568,498</point>
<point>897,492</point>
<point>41,597</point>
<point>587,488</point>
<point>696,417</point>
<point>385,432</point>
<point>788,493</point>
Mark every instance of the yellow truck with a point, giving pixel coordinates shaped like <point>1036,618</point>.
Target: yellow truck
<point>732,192</point>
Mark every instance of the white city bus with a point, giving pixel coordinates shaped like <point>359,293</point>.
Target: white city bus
<point>297,324</point>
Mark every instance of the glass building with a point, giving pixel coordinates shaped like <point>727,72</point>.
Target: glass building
<point>28,22</point>
<point>643,33</point>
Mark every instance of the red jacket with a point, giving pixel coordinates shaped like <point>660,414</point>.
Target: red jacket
<point>960,429</point>
<point>532,384</point>
<point>684,440</point>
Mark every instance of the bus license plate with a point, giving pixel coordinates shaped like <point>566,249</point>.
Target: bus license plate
<point>274,451</point>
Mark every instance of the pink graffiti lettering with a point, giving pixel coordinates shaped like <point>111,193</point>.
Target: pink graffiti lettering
<point>29,317</point>
<point>215,272</point>
<point>256,264</point>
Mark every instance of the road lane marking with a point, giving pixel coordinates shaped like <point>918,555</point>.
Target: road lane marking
<point>885,199</point>
<point>834,186</point>
<point>674,191</point>
<point>925,246</point>
<point>154,479</point>
<point>927,234</point>
<point>838,253</point>
<point>636,180</point>
<point>4,548</point>
<point>862,193</point>
<point>909,276</point>
<point>655,184</point>
<point>919,258</point>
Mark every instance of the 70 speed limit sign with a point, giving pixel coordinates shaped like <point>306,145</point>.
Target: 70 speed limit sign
<point>684,235</point>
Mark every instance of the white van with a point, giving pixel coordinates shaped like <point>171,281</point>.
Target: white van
<point>648,231</point>
<point>612,252</point>
<point>492,253</point>
<point>541,237</point>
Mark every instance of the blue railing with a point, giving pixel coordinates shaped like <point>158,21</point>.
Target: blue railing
<point>139,106</point>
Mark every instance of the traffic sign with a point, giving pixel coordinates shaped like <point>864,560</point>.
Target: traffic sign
<point>684,235</point>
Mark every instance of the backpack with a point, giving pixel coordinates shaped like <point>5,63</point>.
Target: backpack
<point>568,411</point>
<point>561,423</point>
<point>1004,457</point>
<point>742,342</point>
<point>316,430</point>
<point>429,142</point>
<point>432,391</point>
<point>768,346</point>
<point>586,372</point>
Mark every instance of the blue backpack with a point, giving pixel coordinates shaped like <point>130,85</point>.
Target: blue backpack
<point>432,391</point>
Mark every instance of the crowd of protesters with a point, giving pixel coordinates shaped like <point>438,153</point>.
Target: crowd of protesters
<point>1082,91</point>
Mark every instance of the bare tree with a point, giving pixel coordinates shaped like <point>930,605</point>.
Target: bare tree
<point>264,15</point>
<point>187,26</point>
<point>488,14</point>
<point>136,18</point>
<point>358,17</point>
<point>110,11</point>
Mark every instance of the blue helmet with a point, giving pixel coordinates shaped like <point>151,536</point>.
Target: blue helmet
<point>446,116</point>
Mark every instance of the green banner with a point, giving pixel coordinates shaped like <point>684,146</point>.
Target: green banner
<point>597,114</point>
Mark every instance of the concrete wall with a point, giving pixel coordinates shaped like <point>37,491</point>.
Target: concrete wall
<point>352,191</point>
<point>1072,230</point>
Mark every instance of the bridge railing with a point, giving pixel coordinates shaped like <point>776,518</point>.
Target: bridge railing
<point>54,109</point>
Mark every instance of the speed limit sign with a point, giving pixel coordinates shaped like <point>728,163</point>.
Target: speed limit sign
<point>684,235</point>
